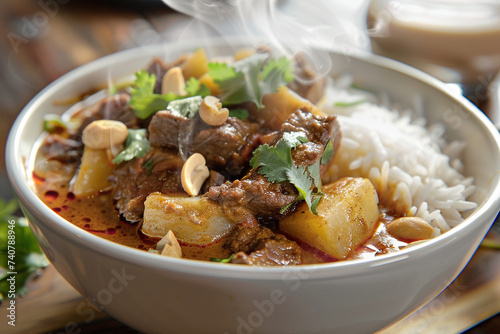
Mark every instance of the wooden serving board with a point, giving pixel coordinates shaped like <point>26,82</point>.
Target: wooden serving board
<point>53,306</point>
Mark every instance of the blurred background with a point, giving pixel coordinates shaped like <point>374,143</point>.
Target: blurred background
<point>40,40</point>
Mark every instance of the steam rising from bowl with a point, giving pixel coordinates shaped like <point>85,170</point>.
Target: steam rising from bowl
<point>289,28</point>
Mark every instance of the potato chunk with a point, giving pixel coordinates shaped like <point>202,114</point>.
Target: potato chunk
<point>93,174</point>
<point>347,216</point>
<point>280,105</point>
<point>194,220</point>
<point>195,65</point>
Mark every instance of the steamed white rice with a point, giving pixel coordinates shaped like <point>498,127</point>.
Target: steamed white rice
<point>412,168</point>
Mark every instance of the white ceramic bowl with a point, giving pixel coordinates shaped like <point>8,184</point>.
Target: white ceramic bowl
<point>160,294</point>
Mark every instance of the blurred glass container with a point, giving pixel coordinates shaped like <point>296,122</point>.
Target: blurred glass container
<point>457,41</point>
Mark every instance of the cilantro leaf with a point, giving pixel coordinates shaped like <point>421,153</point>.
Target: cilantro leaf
<point>136,146</point>
<point>249,79</point>
<point>53,123</point>
<point>489,243</point>
<point>222,260</point>
<point>327,153</point>
<point>314,172</point>
<point>273,163</point>
<point>194,87</point>
<point>349,104</point>
<point>277,165</point>
<point>239,113</point>
<point>143,100</point>
<point>187,107</point>
<point>290,140</point>
<point>148,165</point>
<point>232,83</point>
<point>27,258</point>
<point>276,73</point>
<point>299,177</point>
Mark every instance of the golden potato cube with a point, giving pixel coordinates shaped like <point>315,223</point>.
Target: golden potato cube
<point>280,105</point>
<point>209,82</point>
<point>195,65</point>
<point>194,220</point>
<point>347,216</point>
<point>93,174</point>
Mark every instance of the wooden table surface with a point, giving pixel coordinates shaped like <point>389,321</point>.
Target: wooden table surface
<point>41,40</point>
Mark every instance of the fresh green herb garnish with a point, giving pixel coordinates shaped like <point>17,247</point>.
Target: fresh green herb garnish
<point>238,113</point>
<point>488,243</point>
<point>221,260</point>
<point>136,146</point>
<point>250,78</point>
<point>20,255</point>
<point>327,153</point>
<point>194,87</point>
<point>148,165</point>
<point>112,90</point>
<point>53,123</point>
<point>277,165</point>
<point>348,104</point>
<point>187,107</point>
<point>145,102</point>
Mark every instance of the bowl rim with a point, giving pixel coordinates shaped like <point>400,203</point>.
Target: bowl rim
<point>66,229</point>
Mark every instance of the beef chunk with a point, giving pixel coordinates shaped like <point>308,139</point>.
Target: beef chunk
<point>114,107</point>
<point>307,83</point>
<point>272,252</point>
<point>215,179</point>
<point>259,246</point>
<point>159,67</point>
<point>254,194</point>
<point>227,147</point>
<point>56,147</point>
<point>165,129</point>
<point>68,148</point>
<point>133,183</point>
<point>244,238</point>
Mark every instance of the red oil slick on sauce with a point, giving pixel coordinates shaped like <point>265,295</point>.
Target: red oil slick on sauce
<point>51,195</point>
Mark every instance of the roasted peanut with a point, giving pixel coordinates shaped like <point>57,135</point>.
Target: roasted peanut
<point>173,82</point>
<point>169,246</point>
<point>412,228</point>
<point>211,111</point>
<point>104,134</point>
<point>194,173</point>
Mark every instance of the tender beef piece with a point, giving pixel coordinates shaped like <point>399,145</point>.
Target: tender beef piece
<point>114,107</point>
<point>69,149</point>
<point>57,147</point>
<point>165,127</point>
<point>307,82</point>
<point>158,67</point>
<point>278,251</point>
<point>319,131</point>
<point>254,194</point>
<point>214,179</point>
<point>132,184</point>
<point>227,147</point>
<point>245,238</point>
<point>259,246</point>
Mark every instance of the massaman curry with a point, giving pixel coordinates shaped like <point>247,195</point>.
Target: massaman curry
<point>219,160</point>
